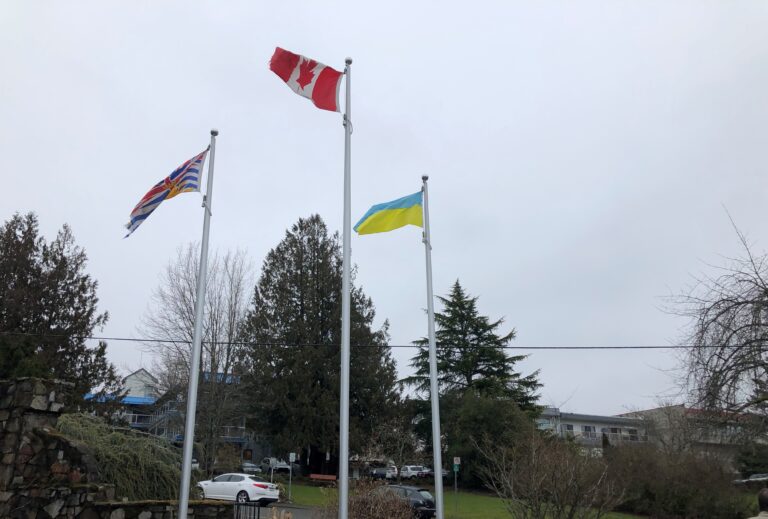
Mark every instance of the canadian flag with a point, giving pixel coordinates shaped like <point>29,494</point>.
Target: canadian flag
<point>308,78</point>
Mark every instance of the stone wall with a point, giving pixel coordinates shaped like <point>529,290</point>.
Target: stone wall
<point>40,470</point>
<point>45,475</point>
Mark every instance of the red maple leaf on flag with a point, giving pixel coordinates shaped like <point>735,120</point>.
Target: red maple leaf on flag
<point>306,73</point>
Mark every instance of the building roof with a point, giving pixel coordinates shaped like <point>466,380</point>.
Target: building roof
<point>140,370</point>
<point>553,412</point>
<point>128,399</point>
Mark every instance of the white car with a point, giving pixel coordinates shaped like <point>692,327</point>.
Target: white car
<point>241,488</point>
<point>411,471</point>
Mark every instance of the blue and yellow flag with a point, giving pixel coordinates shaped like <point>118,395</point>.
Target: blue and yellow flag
<point>392,215</point>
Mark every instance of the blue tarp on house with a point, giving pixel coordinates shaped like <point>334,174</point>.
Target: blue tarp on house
<point>128,399</point>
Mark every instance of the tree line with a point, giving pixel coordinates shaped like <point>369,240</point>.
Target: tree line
<point>271,348</point>
<point>253,370</point>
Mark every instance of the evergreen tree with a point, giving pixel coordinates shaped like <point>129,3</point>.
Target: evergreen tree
<point>295,326</point>
<point>47,306</point>
<point>471,355</point>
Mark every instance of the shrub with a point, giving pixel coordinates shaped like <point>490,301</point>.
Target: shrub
<point>541,477</point>
<point>367,501</point>
<point>139,465</point>
<point>671,485</point>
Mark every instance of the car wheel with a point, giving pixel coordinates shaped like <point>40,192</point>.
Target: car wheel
<point>242,497</point>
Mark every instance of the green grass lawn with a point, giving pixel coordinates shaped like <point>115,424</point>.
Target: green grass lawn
<point>464,505</point>
<point>307,495</point>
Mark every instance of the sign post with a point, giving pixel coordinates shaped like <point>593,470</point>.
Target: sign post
<point>456,464</point>
<point>291,459</point>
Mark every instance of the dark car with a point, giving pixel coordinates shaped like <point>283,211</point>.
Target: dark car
<point>420,500</point>
<point>379,473</point>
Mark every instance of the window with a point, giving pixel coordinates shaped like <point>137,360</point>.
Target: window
<point>568,429</point>
<point>588,431</point>
<point>235,479</point>
<point>633,436</point>
<point>221,479</point>
<point>615,430</point>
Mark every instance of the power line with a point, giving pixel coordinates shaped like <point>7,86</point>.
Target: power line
<point>320,345</point>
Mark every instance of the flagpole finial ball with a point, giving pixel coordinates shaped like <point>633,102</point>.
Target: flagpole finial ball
<point>214,132</point>
<point>425,177</point>
<point>348,61</point>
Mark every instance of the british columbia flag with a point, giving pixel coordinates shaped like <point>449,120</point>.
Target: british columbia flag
<point>184,179</point>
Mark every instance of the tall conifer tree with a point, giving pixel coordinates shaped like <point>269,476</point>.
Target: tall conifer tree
<point>295,327</point>
<point>48,305</point>
<point>471,355</point>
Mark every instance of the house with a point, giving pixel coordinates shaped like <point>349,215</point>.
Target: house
<point>593,432</point>
<point>141,383</point>
<point>140,397</point>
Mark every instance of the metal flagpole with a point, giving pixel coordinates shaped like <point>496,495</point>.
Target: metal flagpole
<point>345,296</point>
<point>433,389</point>
<point>194,369</point>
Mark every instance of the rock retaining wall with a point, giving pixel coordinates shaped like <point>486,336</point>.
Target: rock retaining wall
<point>45,475</point>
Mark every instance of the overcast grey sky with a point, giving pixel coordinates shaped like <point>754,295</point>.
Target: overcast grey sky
<point>580,154</point>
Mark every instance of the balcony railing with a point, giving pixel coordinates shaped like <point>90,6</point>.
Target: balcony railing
<point>613,438</point>
<point>138,421</point>
<point>234,434</point>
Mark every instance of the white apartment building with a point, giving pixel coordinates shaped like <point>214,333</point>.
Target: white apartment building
<point>593,431</point>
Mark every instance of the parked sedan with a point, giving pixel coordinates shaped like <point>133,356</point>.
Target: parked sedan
<point>250,468</point>
<point>753,479</point>
<point>241,488</point>
<point>420,500</point>
<point>384,472</point>
<point>378,473</point>
<point>429,473</point>
<point>412,471</point>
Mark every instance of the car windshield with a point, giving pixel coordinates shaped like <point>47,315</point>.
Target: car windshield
<point>425,494</point>
<point>256,478</point>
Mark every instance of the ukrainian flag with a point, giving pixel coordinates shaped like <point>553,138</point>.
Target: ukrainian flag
<point>392,215</point>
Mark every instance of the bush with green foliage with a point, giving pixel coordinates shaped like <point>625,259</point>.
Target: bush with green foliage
<point>672,485</point>
<point>139,465</point>
<point>752,458</point>
<point>469,418</point>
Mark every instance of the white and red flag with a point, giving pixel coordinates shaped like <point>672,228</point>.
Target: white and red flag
<point>308,78</point>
